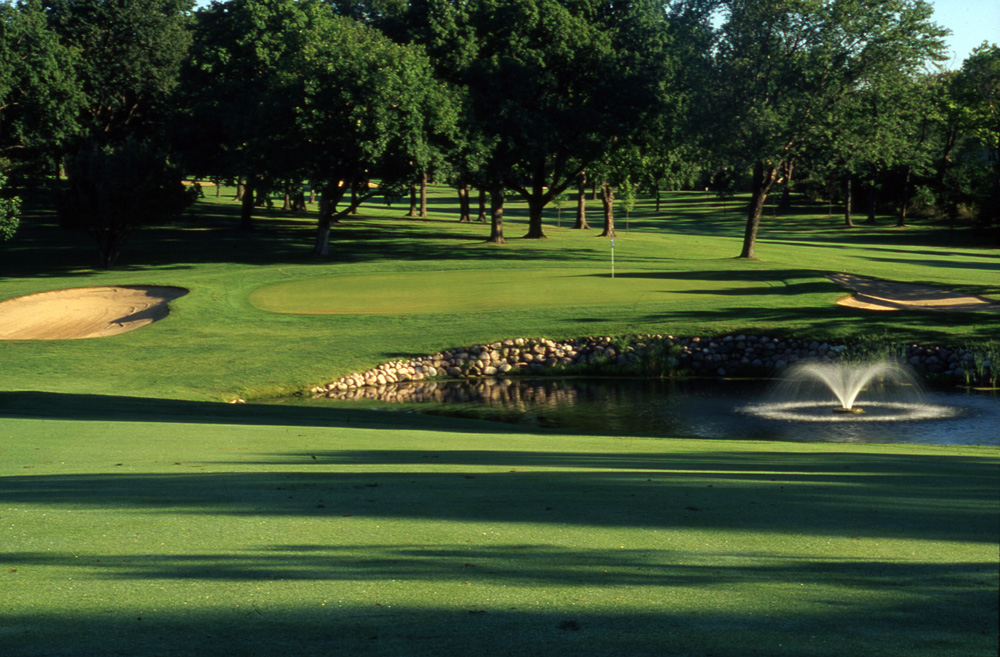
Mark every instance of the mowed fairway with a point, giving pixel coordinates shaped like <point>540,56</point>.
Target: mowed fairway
<point>183,528</point>
<point>140,516</point>
<point>472,290</point>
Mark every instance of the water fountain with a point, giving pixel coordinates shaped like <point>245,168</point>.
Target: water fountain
<point>801,408</point>
<point>830,392</point>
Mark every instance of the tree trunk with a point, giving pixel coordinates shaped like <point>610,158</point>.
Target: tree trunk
<point>608,199</point>
<point>246,209</point>
<point>951,138</point>
<point>239,189</point>
<point>109,246</point>
<point>785,205</point>
<point>482,205</point>
<point>535,211</point>
<point>464,214</point>
<point>423,193</point>
<point>658,197</point>
<point>763,179</point>
<point>581,203</point>
<point>322,247</point>
<point>496,213</point>
<point>413,201</point>
<point>905,200</point>
<point>872,204</point>
<point>536,206</point>
<point>298,198</point>
<point>330,197</point>
<point>848,222</point>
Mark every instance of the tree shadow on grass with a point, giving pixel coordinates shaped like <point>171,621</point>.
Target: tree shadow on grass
<point>859,496</point>
<point>433,594</point>
<point>512,565</point>
<point>210,234</point>
<point>251,624</point>
<point>831,320</point>
<point>723,274</point>
<point>942,263</point>
<point>105,408</point>
<point>985,252</point>
<point>855,500</point>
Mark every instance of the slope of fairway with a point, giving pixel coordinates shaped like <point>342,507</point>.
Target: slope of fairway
<point>154,527</point>
<point>137,520</point>
<point>472,290</point>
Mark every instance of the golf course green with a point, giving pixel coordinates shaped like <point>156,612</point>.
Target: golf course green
<point>142,515</point>
<point>476,290</point>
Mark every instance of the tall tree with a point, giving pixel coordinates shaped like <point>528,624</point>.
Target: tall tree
<point>370,108</point>
<point>244,93</point>
<point>882,132</point>
<point>784,70</point>
<point>128,56</point>
<point>292,89</point>
<point>40,96</point>
<point>973,101</point>
<point>554,86</point>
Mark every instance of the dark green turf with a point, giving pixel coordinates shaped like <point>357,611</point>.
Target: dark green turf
<point>140,517</point>
<point>175,528</point>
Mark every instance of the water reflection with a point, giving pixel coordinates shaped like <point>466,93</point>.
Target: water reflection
<point>673,408</point>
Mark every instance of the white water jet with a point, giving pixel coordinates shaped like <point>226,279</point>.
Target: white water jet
<point>847,380</point>
<point>878,391</point>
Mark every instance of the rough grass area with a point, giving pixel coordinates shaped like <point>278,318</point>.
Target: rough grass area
<point>173,528</point>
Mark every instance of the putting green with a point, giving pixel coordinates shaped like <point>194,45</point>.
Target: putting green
<point>476,290</point>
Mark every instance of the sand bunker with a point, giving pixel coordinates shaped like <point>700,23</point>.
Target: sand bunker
<point>878,294</point>
<point>86,312</point>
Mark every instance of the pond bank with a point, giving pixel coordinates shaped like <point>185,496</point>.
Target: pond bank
<point>663,356</point>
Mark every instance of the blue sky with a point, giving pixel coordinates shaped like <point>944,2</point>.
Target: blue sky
<point>971,23</point>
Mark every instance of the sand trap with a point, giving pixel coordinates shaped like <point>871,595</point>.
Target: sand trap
<point>879,294</point>
<point>86,312</point>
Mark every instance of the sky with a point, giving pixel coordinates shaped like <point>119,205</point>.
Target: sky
<point>971,22</point>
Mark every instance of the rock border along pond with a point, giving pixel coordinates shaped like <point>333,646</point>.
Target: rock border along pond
<point>662,356</point>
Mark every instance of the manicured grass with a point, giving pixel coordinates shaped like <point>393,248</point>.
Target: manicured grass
<point>476,290</point>
<point>675,274</point>
<point>186,528</point>
<point>137,516</point>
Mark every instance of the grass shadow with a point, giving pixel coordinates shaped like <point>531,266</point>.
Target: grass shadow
<point>108,408</point>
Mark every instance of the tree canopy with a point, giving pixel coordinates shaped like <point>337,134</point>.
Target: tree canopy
<point>530,97</point>
<point>8,212</point>
<point>127,56</point>
<point>40,93</point>
<point>786,71</point>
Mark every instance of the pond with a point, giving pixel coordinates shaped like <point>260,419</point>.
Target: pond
<point>695,408</point>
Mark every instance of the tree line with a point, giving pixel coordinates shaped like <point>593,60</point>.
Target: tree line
<point>115,99</point>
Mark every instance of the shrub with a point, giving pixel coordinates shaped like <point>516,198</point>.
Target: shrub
<point>113,190</point>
